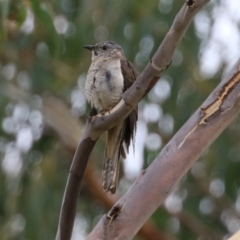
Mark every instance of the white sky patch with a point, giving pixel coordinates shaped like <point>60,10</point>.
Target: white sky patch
<point>61,24</point>
<point>166,124</point>
<point>230,221</point>
<point>36,118</point>
<point>165,6</point>
<point>232,7</point>
<point>173,203</point>
<point>134,162</point>
<point>80,228</point>
<point>12,161</point>
<point>36,124</point>
<point>145,45</point>
<point>9,125</point>
<point>8,71</point>
<point>177,58</point>
<point>152,112</point>
<point>202,24</point>
<point>24,139</point>
<point>222,46</point>
<point>161,91</point>
<point>101,33</point>
<point>226,32</point>
<point>42,50</point>
<point>153,141</point>
<point>128,31</point>
<point>21,112</point>
<point>173,225</point>
<point>198,169</point>
<point>28,25</point>
<point>210,60</point>
<point>217,187</point>
<point>78,101</point>
<point>15,225</point>
<point>206,206</point>
<point>24,80</point>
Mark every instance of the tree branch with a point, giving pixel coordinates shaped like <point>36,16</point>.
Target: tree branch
<point>156,183</point>
<point>59,118</point>
<point>70,199</point>
<point>98,125</point>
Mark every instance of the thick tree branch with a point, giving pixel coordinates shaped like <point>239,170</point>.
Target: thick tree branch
<point>98,125</point>
<point>236,236</point>
<point>215,114</point>
<point>70,199</point>
<point>59,118</point>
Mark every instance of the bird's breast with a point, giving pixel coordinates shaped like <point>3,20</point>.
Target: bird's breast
<point>104,84</point>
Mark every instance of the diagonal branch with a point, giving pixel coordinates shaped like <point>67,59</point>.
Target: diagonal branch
<point>156,182</point>
<point>60,120</point>
<point>96,126</point>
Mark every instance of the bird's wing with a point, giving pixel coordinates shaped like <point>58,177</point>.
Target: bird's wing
<point>122,133</point>
<point>130,123</point>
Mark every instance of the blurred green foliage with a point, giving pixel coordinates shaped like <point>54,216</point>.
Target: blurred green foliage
<point>41,54</point>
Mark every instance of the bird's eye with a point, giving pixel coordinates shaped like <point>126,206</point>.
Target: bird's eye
<point>105,47</point>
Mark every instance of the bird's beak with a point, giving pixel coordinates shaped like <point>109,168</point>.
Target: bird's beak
<point>89,47</point>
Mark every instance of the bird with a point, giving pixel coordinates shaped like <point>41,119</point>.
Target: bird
<point>109,76</point>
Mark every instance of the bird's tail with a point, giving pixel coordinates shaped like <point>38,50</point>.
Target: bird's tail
<point>111,162</point>
<point>122,133</point>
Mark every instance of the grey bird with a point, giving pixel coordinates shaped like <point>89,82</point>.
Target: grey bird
<point>109,75</point>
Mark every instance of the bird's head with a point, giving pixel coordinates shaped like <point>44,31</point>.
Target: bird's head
<point>105,49</point>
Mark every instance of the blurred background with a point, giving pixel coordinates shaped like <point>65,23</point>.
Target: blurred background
<point>43,112</point>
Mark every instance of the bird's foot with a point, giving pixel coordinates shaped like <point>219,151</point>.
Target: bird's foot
<point>93,112</point>
<point>106,112</point>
